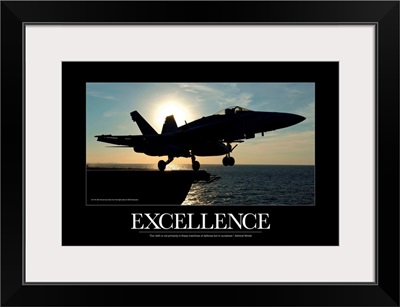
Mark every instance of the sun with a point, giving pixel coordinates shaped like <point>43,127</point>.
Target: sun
<point>171,108</point>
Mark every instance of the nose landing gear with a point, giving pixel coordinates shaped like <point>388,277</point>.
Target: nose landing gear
<point>228,161</point>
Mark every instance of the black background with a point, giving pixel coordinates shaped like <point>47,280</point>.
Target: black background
<point>385,292</point>
<point>290,225</point>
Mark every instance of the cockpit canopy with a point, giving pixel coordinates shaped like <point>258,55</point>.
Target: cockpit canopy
<point>232,110</point>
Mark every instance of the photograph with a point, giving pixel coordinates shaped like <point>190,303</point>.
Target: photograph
<point>212,144</point>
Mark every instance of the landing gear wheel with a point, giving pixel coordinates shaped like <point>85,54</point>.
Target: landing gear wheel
<point>161,165</point>
<point>225,161</point>
<point>231,161</point>
<point>196,165</point>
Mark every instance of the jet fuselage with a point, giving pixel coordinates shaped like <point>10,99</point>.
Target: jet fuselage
<point>207,136</point>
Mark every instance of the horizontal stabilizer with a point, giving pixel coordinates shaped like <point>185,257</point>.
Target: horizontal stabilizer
<point>121,140</point>
<point>144,126</point>
<point>169,124</point>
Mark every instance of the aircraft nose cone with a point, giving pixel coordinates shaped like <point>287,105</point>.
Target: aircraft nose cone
<point>276,120</point>
<point>296,119</point>
<point>289,119</point>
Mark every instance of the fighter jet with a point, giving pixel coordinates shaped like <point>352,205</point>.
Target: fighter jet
<point>208,136</point>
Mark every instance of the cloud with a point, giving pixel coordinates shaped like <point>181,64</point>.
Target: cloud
<point>293,92</point>
<point>110,113</point>
<point>101,95</point>
<point>221,94</point>
<point>308,111</point>
<point>246,97</point>
<point>243,100</point>
<point>197,88</point>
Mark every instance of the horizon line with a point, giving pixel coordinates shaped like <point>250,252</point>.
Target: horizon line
<point>189,164</point>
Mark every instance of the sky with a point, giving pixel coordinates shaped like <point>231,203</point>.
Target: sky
<point>108,107</point>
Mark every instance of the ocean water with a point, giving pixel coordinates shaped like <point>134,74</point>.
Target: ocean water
<point>255,185</point>
<point>287,185</point>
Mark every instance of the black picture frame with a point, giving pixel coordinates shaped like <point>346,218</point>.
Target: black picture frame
<point>383,14</point>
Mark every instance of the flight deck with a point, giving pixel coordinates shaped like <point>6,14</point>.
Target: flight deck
<point>130,186</point>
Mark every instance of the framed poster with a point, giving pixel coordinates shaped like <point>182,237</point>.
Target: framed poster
<point>323,232</point>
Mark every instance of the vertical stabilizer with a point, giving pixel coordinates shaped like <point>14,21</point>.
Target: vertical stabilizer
<point>144,126</point>
<point>169,124</point>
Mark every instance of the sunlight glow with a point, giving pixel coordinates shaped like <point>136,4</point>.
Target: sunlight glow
<point>171,108</point>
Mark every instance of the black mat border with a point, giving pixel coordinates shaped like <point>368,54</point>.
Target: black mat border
<point>292,225</point>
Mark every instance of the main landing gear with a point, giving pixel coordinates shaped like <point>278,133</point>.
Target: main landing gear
<point>195,164</point>
<point>162,164</point>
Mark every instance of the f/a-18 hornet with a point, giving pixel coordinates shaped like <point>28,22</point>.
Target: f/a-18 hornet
<point>207,136</point>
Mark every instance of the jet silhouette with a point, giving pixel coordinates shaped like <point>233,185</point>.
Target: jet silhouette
<point>208,136</point>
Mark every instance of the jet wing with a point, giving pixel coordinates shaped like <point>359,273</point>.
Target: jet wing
<point>213,128</point>
<point>123,140</point>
